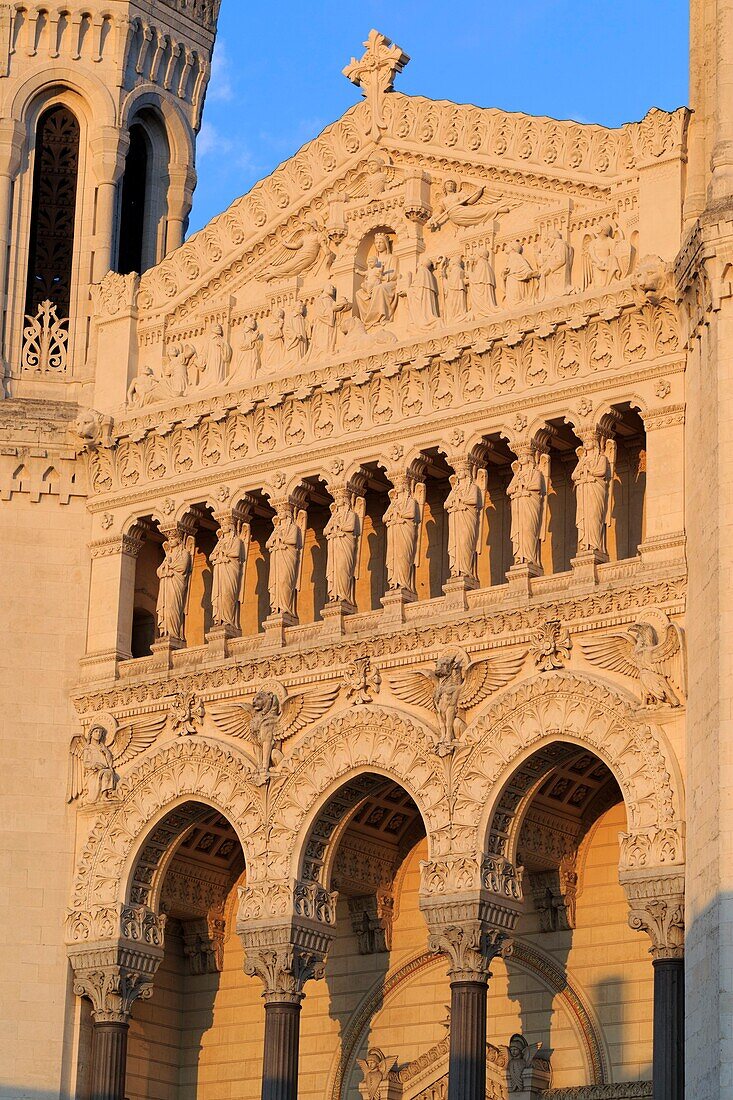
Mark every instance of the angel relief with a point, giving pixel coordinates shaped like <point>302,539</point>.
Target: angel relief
<point>651,652</point>
<point>96,755</point>
<point>465,209</point>
<point>271,719</point>
<point>453,688</point>
<point>300,251</point>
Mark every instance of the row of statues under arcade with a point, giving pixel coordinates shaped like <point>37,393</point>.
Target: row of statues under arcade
<point>405,535</point>
<point>387,304</point>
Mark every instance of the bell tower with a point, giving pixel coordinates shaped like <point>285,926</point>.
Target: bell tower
<point>704,273</point>
<point>100,107</point>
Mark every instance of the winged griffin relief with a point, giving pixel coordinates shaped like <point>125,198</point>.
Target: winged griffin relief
<point>454,687</point>
<point>652,652</point>
<point>271,719</point>
<point>106,746</point>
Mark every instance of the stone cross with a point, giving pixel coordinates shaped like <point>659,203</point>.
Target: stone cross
<point>375,74</point>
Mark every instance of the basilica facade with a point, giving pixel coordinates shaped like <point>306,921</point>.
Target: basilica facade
<point>367,669</point>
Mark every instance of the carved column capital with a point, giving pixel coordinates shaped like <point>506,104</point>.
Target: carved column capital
<point>469,945</point>
<point>113,990</point>
<point>657,907</point>
<point>286,929</point>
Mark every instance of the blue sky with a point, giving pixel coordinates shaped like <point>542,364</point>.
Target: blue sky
<point>276,79</point>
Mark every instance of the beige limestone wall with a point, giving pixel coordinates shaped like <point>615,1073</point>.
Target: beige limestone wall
<point>43,609</point>
<point>218,1020</point>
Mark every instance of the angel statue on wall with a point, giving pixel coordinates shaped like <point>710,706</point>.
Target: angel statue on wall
<point>106,746</point>
<point>652,652</point>
<point>271,718</point>
<point>300,251</point>
<point>455,686</point>
<point>376,1068</point>
<point>464,210</point>
<point>520,1056</point>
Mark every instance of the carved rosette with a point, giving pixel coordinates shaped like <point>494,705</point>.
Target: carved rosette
<point>657,907</point>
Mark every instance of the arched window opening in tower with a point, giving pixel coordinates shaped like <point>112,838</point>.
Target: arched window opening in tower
<point>53,213</point>
<point>133,203</point>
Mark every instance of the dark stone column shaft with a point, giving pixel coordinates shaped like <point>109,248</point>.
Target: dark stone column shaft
<point>668,1071</point>
<point>467,1065</point>
<point>282,1041</point>
<point>109,1061</point>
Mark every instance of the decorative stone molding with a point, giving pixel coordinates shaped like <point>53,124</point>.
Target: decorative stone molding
<point>191,767</point>
<point>657,907</point>
<point>662,846</point>
<point>472,928</point>
<point>114,952</point>
<point>203,945</point>
<point>554,895</point>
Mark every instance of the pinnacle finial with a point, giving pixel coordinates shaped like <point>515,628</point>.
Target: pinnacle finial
<point>375,74</point>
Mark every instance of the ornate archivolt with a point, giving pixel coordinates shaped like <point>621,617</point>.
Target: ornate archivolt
<point>367,739</point>
<point>190,768</point>
<point>577,709</point>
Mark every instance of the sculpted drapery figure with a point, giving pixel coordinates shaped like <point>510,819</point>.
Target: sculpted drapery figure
<point>527,492</point>
<point>376,298</point>
<point>248,361</point>
<point>218,357</point>
<point>285,545</point>
<point>422,296</point>
<point>482,282</point>
<point>342,534</point>
<point>175,373</point>
<point>144,389</point>
<point>99,766</point>
<point>402,520</point>
<point>299,252</point>
<point>555,266</point>
<point>592,478</point>
<point>456,304</point>
<point>463,505</point>
<point>295,334</point>
<point>607,257</point>
<point>325,314</point>
<point>174,574</point>
<point>518,275</point>
<point>464,210</point>
<point>273,346</point>
<point>227,560</point>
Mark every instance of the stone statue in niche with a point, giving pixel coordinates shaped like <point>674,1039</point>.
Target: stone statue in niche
<point>218,356</point>
<point>174,574</point>
<point>519,275</point>
<point>463,505</point>
<point>464,210</point>
<point>592,479</point>
<point>527,492</point>
<point>324,314</point>
<point>555,263</point>
<point>300,251</point>
<point>248,359</point>
<point>421,294</point>
<point>455,297</point>
<point>607,257</point>
<point>482,283</point>
<point>285,545</point>
<point>342,534</point>
<point>376,298</point>
<point>227,561</point>
<point>273,346</point>
<point>295,334</point>
<point>402,521</point>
